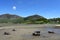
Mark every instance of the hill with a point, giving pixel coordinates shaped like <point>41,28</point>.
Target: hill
<point>9,16</point>
<point>35,19</point>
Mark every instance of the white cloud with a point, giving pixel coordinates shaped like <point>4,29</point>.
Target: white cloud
<point>14,7</point>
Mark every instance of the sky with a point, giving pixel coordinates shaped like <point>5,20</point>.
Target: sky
<point>45,8</point>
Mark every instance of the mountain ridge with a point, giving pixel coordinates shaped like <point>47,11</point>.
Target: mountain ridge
<point>9,16</point>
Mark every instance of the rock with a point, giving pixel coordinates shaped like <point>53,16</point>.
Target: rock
<point>36,33</point>
<point>13,30</point>
<point>6,33</point>
<point>51,32</point>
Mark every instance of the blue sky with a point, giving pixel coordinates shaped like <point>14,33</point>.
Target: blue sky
<point>45,8</point>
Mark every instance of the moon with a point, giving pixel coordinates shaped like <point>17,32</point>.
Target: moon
<point>14,7</point>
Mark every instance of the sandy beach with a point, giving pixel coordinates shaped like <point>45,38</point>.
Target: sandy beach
<point>24,32</point>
